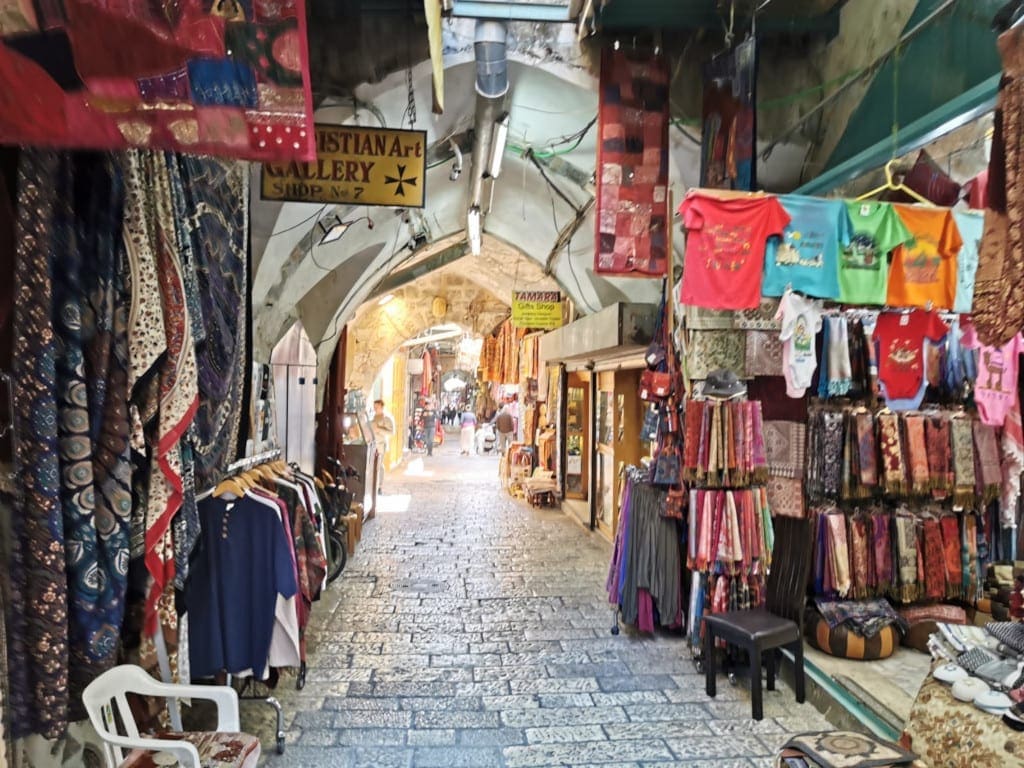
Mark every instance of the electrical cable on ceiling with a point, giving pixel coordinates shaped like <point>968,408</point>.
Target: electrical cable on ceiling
<point>299,224</point>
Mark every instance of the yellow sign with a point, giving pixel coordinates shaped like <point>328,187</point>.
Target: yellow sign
<point>355,165</point>
<point>541,310</point>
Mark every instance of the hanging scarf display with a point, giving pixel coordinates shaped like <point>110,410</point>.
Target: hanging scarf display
<point>917,454</point>
<point>759,456</point>
<point>832,452</point>
<point>840,375</point>
<point>894,473</point>
<point>971,577</point>
<point>906,554</point>
<point>951,540</point>
<point>860,557</point>
<point>940,460</point>
<point>962,441</point>
<point>1012,464</point>
<point>934,563</point>
<point>881,548</point>
<point>988,471</point>
<point>867,450</point>
<point>838,557</point>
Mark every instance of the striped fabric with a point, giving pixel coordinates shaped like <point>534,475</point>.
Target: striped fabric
<point>844,643</point>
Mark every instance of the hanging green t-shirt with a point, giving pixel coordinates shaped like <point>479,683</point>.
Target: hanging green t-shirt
<point>864,263</point>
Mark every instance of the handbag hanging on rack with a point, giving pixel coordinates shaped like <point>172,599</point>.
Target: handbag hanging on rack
<point>657,382</point>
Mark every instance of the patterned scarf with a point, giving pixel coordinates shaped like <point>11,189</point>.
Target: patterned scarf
<point>693,417</point>
<point>940,462</point>
<point>838,553</point>
<point>867,449</point>
<point>894,473</point>
<point>215,257</point>
<point>151,226</point>
<point>38,629</point>
<point>917,454</point>
<point>989,473</point>
<point>970,557</point>
<point>759,457</point>
<point>963,462</point>
<point>881,547</point>
<point>951,549</point>
<point>860,550</point>
<point>906,552</point>
<point>934,560</point>
<point>1013,463</point>
<point>704,450</point>
<point>832,455</point>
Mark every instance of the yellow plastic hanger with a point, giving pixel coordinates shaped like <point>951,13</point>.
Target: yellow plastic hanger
<point>893,186</point>
<point>233,485</point>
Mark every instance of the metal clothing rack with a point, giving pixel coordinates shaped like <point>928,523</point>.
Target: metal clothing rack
<point>248,689</point>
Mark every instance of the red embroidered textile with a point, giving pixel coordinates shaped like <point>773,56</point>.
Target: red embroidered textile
<point>632,165</point>
<point>229,80</point>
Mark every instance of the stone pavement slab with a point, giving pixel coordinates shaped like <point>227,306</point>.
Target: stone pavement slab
<point>472,630</point>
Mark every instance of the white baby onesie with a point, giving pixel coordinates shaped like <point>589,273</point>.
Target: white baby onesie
<point>801,321</point>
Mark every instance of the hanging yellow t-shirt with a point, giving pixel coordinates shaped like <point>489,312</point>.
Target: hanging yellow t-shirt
<point>923,270</point>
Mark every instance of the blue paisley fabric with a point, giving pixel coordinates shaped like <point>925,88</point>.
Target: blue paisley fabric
<point>216,194</point>
<point>91,327</point>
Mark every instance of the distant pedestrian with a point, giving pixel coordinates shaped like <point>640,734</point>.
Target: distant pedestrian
<point>383,430</point>
<point>467,432</point>
<point>429,426</point>
<point>505,424</point>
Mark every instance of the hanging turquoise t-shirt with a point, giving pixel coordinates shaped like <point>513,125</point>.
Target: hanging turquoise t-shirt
<point>971,224</point>
<point>806,257</point>
<point>864,265</point>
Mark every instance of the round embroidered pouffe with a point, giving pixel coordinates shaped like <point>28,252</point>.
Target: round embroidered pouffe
<point>847,644</point>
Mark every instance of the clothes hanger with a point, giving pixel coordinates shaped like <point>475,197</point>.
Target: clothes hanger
<point>893,186</point>
<point>230,485</point>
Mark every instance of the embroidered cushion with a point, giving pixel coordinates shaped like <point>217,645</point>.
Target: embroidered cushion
<point>216,750</point>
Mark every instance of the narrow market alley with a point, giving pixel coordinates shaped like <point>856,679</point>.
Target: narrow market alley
<point>473,630</point>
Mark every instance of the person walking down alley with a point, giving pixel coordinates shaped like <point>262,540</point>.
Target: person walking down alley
<point>383,431</point>
<point>429,426</point>
<point>505,424</point>
<point>467,431</point>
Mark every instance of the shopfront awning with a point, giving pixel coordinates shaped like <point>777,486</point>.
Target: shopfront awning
<point>617,336</point>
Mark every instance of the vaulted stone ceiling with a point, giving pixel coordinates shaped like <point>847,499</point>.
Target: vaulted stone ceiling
<point>363,61</point>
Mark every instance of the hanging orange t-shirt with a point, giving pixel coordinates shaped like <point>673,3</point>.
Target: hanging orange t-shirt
<point>923,270</point>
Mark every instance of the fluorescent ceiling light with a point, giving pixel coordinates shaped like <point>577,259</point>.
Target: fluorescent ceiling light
<point>474,231</point>
<point>332,229</point>
<point>385,299</point>
<point>498,141</point>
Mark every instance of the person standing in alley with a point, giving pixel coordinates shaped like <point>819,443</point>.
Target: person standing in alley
<point>383,431</point>
<point>505,425</point>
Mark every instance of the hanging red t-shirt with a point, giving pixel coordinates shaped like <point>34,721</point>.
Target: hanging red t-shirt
<point>900,339</point>
<point>725,245</point>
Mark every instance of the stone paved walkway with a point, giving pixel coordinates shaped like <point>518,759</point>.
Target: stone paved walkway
<point>472,630</point>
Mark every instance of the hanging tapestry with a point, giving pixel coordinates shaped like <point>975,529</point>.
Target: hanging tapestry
<point>90,323</point>
<point>225,78</point>
<point>216,195</point>
<point>38,631</point>
<point>632,165</point>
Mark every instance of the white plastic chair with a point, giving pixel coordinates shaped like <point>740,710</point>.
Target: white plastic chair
<point>110,689</point>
